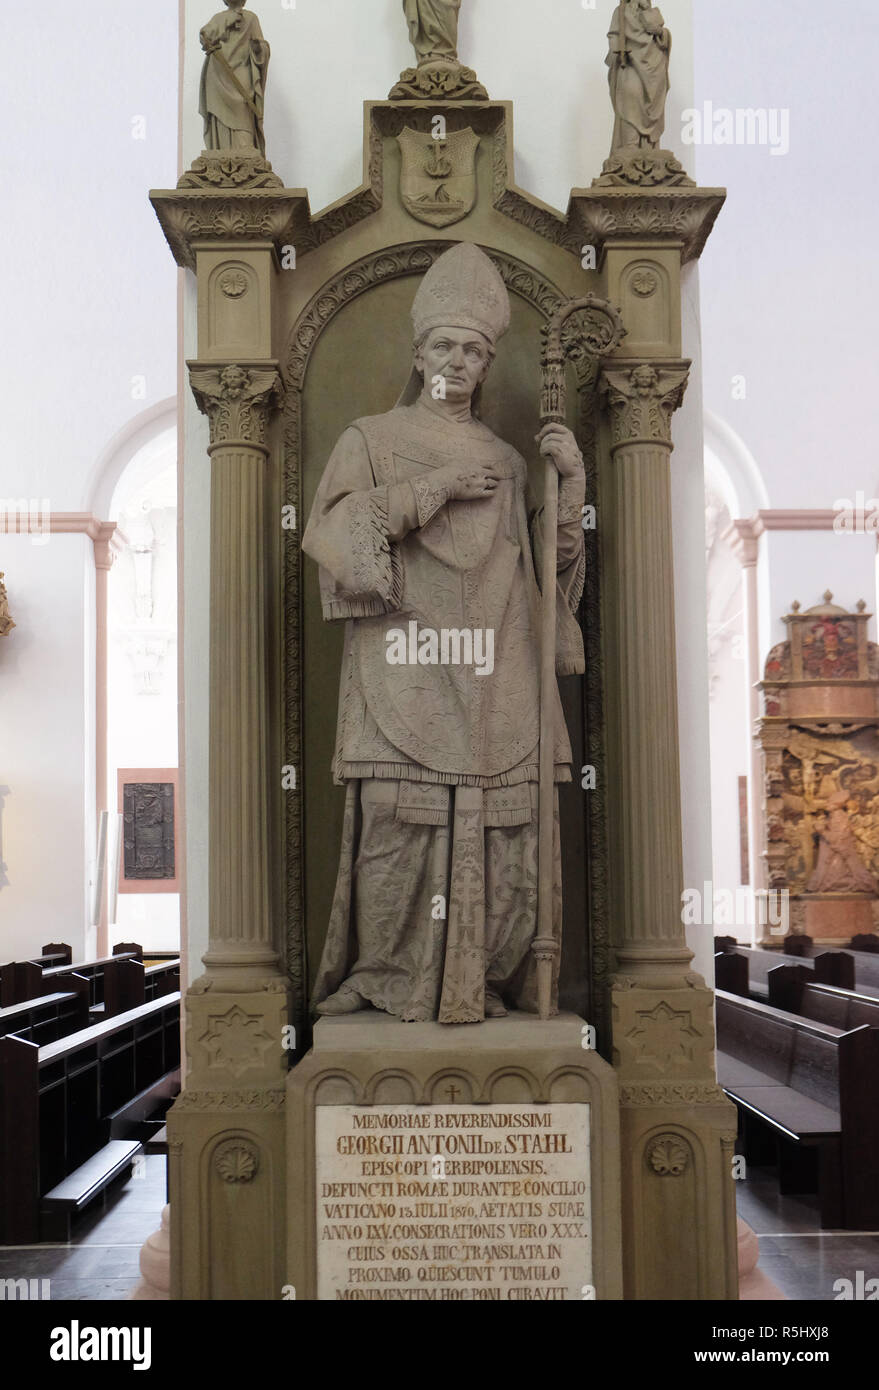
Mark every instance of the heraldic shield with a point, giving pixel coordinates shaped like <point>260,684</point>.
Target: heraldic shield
<point>438,176</point>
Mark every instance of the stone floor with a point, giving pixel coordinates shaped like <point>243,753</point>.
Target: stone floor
<point>803,1261</point>
<point>101,1261</point>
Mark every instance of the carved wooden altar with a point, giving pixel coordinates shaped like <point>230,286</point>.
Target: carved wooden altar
<point>819,733</point>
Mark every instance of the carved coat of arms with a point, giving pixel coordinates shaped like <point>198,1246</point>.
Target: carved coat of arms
<point>438,176</point>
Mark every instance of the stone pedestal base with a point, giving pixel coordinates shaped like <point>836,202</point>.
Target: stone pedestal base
<point>643,168</point>
<point>438,1163</point>
<point>225,1141</point>
<point>439,79</point>
<point>835,917</point>
<point>242,168</point>
<point>678,1135</point>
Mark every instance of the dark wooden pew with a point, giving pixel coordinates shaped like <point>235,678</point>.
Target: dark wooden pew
<point>32,980</point>
<point>72,1113</point>
<point>809,1089</point>
<point>863,942</point>
<point>46,1019</point>
<point>731,973</point>
<point>798,992</point>
<point>830,967</point>
<point>162,978</point>
<point>864,963</point>
<point>55,953</point>
<point>129,948</point>
<point>128,984</point>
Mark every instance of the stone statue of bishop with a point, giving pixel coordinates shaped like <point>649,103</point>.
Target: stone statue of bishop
<point>426,552</point>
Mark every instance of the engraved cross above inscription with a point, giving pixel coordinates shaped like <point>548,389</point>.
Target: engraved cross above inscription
<point>453,1203</point>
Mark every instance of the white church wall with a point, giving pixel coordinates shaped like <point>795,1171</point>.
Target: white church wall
<point>47,698</point>
<point>92,295</point>
<point>691,620</point>
<point>90,345</point>
<point>801,565</point>
<point>142,662</point>
<point>196,653</point>
<point>790,290</point>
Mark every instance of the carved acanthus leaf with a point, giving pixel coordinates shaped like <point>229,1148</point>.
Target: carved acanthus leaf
<point>237,400</point>
<point>642,401</point>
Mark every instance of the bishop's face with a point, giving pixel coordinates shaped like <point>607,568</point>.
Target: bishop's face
<point>460,356</point>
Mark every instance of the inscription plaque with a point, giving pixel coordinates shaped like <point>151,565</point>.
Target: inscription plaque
<point>148,844</point>
<point>453,1203</point>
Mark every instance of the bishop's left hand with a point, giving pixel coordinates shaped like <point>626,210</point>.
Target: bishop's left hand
<point>556,442</point>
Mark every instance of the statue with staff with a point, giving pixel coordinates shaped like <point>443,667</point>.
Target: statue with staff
<point>233,80</point>
<point>451,740</point>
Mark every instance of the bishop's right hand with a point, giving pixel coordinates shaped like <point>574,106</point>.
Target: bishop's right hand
<point>468,484</point>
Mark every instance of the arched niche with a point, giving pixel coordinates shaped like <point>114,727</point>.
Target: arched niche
<point>350,355</point>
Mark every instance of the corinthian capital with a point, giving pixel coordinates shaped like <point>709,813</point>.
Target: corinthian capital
<point>238,401</point>
<point>642,401</point>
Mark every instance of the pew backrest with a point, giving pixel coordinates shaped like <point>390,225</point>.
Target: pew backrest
<point>796,990</point>
<point>46,1019</point>
<point>731,972</point>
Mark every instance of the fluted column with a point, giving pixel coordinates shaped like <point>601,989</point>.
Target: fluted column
<point>226,1129</point>
<point>238,402</point>
<point>677,1129</point>
<point>650,939</point>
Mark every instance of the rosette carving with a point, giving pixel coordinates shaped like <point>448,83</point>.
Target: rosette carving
<point>668,1155</point>
<point>236,1160</point>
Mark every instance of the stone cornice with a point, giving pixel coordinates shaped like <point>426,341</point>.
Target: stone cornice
<point>190,217</point>
<point>217,201</point>
<point>677,214</point>
<point>817,519</point>
<point>105,535</point>
<point>744,542</point>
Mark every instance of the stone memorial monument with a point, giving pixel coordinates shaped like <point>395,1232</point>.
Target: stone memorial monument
<point>404,1058</point>
<point>819,733</point>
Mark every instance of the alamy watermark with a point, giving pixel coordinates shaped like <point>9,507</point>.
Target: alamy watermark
<point>856,518</point>
<point>744,125</point>
<point>25,1290</point>
<point>26,516</point>
<point>736,907</point>
<point>450,646</point>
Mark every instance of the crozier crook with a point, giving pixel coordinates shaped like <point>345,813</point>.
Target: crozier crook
<point>601,332</point>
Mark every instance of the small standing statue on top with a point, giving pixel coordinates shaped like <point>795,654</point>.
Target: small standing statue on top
<point>433,29</point>
<point>433,33</point>
<point>640,47</point>
<point>233,80</point>
<point>6,623</point>
<point>638,63</point>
